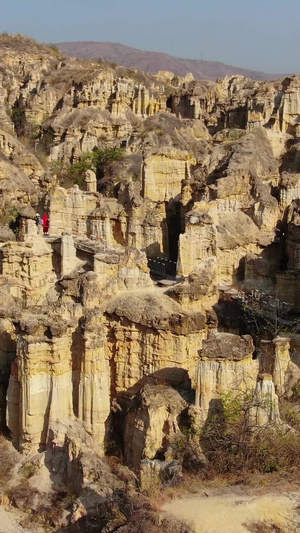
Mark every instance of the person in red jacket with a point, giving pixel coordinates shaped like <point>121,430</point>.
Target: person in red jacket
<point>46,224</point>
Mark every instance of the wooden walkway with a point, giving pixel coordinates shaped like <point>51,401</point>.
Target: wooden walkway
<point>256,299</point>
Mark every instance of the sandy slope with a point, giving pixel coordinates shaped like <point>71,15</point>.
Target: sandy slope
<point>230,513</point>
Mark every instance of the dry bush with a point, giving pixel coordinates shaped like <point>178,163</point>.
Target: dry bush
<point>8,460</point>
<point>262,527</point>
<point>129,514</point>
<point>50,511</point>
<point>40,508</point>
<point>290,412</point>
<point>232,446</point>
<point>25,44</point>
<point>23,496</point>
<point>153,485</point>
<point>28,470</point>
<point>122,472</point>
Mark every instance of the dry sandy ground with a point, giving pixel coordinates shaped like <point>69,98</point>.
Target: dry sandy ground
<point>10,522</point>
<point>230,513</point>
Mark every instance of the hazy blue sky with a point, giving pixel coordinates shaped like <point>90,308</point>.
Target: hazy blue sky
<point>258,34</point>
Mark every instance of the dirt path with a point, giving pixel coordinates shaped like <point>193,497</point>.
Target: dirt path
<point>232,512</point>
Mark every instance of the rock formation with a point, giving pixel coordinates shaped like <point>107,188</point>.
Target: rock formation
<point>170,275</point>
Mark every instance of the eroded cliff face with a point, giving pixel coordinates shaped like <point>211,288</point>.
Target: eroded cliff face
<point>226,366</point>
<point>132,305</point>
<point>152,423</point>
<point>105,335</point>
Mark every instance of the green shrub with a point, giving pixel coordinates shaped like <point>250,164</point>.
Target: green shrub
<point>98,160</point>
<point>103,158</point>
<point>18,117</point>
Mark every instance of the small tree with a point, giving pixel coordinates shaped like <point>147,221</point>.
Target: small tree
<point>98,160</point>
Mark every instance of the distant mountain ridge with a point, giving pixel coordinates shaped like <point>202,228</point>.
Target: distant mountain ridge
<point>152,62</point>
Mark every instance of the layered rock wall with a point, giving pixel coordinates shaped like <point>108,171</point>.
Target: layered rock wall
<point>226,366</point>
<point>27,269</point>
<point>163,173</point>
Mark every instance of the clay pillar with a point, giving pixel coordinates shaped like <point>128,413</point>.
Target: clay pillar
<point>31,230</point>
<point>91,181</point>
<point>68,255</point>
<point>265,403</point>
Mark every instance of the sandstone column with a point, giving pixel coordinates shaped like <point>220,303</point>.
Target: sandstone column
<point>91,181</point>
<point>31,230</point>
<point>94,392</point>
<point>68,255</point>
<point>265,409</point>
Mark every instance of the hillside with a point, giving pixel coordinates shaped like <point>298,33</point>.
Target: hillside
<point>154,61</point>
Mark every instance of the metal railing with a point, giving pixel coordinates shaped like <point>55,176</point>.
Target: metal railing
<point>161,266</point>
<point>258,299</point>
